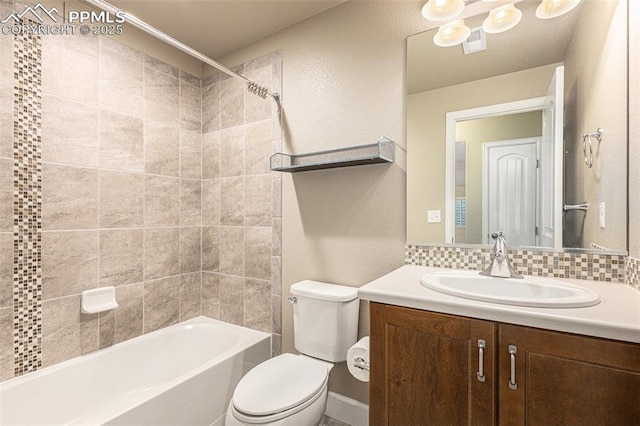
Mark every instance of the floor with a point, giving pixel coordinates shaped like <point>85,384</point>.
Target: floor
<point>328,421</point>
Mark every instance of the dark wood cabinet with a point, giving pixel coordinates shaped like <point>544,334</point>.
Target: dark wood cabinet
<point>425,371</point>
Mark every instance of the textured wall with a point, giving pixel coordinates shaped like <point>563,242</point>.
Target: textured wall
<point>595,96</point>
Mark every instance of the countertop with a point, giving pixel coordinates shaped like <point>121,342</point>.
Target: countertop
<point>617,316</point>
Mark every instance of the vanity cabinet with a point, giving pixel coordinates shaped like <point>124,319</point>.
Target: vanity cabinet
<point>427,369</point>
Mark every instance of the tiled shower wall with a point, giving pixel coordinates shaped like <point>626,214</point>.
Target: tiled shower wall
<point>241,200</point>
<point>125,197</point>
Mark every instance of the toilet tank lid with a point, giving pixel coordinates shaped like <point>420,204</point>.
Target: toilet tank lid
<point>324,291</point>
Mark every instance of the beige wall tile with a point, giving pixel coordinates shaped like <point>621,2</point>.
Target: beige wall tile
<point>211,107</point>
<point>276,275</point>
<point>277,198</point>
<point>70,67</point>
<point>232,299</point>
<point>161,303</point>
<point>69,132</point>
<point>6,45</point>
<point>162,149</point>
<point>232,251</point>
<point>257,305</point>
<point>256,108</point>
<point>6,195</point>
<point>121,199</point>
<point>210,248</point>
<point>257,147</point>
<point>232,205</point>
<point>276,344</point>
<point>124,322</point>
<point>162,201</point>
<point>161,253</point>
<point>121,257</point>
<point>190,202</point>
<point>186,78</point>
<point>69,262</point>
<point>258,200</point>
<point>257,253</point>
<point>232,152</point>
<point>6,270</point>
<point>120,71</point>
<point>211,155</point>
<point>190,154</point>
<point>163,67</point>
<point>121,142</point>
<point>190,249</point>
<point>211,295</point>
<point>190,296</point>
<point>190,103</point>
<point>276,311</point>
<point>66,333</point>
<point>231,102</point>
<point>277,236</point>
<point>69,197</point>
<point>161,97</point>
<point>211,202</point>
<point>6,111</point>
<point>6,343</point>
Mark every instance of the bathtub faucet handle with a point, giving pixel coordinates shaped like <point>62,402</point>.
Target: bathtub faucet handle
<point>293,300</point>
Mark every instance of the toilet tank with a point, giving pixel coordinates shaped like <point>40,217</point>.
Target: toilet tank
<point>325,319</point>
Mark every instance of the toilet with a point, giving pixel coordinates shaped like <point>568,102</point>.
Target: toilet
<point>292,389</point>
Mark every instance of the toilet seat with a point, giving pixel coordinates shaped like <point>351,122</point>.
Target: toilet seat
<point>279,387</point>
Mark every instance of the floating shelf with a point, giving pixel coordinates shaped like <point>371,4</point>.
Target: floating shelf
<point>379,152</point>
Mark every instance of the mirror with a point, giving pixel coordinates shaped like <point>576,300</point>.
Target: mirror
<point>503,128</point>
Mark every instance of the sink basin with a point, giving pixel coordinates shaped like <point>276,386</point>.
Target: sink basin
<point>530,291</point>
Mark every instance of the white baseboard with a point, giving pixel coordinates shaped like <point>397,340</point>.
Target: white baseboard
<point>347,410</point>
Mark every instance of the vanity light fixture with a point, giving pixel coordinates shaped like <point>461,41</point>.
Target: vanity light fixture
<point>553,8</point>
<point>501,19</point>
<point>441,10</point>
<point>451,34</point>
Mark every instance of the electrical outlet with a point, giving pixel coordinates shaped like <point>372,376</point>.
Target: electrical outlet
<point>601,215</point>
<point>433,216</point>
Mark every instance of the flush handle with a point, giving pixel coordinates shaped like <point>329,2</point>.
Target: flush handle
<point>293,300</point>
<point>481,346</point>
<point>513,351</point>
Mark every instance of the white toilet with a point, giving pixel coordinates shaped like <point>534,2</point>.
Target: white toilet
<point>292,389</point>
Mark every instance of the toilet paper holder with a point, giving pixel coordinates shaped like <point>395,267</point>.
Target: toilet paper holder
<point>360,363</point>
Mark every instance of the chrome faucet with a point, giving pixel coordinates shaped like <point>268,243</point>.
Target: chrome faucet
<point>500,266</point>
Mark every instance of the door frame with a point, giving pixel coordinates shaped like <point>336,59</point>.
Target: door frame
<point>507,108</point>
<point>485,179</point>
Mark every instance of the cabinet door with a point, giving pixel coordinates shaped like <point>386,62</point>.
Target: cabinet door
<point>424,368</point>
<point>566,379</point>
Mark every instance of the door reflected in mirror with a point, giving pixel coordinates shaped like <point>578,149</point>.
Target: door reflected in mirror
<point>503,129</point>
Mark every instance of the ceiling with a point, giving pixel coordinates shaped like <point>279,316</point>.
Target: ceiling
<point>217,27</point>
<point>532,43</point>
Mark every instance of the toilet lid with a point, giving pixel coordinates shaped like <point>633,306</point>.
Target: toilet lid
<point>279,384</point>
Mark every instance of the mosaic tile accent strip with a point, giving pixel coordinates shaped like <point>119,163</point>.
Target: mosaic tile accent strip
<point>596,267</point>
<point>27,204</point>
<point>632,272</point>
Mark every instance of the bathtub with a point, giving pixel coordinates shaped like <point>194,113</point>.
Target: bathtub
<point>181,375</point>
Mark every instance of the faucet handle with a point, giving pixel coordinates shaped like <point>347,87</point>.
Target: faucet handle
<point>494,236</point>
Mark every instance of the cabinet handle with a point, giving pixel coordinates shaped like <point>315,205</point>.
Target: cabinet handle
<point>481,345</point>
<point>513,351</point>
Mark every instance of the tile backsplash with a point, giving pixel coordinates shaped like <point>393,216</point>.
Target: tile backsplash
<point>597,267</point>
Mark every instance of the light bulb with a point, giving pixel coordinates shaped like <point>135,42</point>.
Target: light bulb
<point>441,10</point>
<point>553,8</point>
<point>451,34</point>
<point>501,19</point>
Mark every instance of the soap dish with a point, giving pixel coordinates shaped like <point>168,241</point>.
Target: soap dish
<point>98,300</point>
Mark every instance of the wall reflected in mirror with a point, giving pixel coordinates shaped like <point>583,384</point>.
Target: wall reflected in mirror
<point>503,128</point>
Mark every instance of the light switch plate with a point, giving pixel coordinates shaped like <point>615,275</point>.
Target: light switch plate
<point>433,216</point>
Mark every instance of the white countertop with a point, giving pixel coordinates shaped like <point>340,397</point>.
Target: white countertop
<point>617,316</point>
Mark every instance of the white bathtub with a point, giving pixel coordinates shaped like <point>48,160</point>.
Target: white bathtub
<point>181,375</point>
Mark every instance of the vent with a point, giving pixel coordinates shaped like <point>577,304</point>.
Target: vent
<point>476,42</point>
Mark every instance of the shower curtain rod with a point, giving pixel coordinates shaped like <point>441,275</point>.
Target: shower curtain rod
<point>252,86</point>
